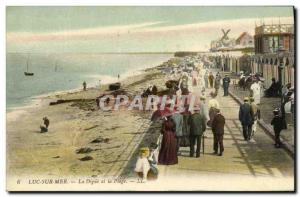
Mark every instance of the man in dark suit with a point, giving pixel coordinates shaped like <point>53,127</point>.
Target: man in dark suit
<point>246,120</point>
<point>197,124</point>
<point>226,82</point>
<point>278,125</point>
<point>218,130</point>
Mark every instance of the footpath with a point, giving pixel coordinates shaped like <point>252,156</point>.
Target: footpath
<point>244,166</point>
<point>267,106</point>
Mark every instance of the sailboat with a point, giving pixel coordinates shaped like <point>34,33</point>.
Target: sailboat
<point>28,73</point>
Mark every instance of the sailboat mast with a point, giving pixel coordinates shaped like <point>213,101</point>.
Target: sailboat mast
<point>27,68</point>
<point>27,64</point>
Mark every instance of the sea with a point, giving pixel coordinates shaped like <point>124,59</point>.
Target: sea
<point>64,72</point>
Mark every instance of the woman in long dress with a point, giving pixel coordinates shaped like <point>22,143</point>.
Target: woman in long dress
<point>211,80</point>
<point>206,79</point>
<point>217,83</point>
<point>185,139</point>
<point>168,152</point>
<point>255,88</point>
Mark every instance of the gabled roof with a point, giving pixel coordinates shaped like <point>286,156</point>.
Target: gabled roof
<point>241,36</point>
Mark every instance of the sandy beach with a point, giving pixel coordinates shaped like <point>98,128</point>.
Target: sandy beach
<point>82,140</point>
<point>88,149</point>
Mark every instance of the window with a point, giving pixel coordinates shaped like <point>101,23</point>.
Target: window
<point>273,44</point>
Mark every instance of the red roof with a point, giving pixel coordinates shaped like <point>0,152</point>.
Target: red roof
<point>241,36</point>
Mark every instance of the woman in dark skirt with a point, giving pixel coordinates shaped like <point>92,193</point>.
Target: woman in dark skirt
<point>168,152</point>
<point>211,80</point>
<point>185,140</point>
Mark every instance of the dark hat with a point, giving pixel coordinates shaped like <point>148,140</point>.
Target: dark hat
<point>276,111</point>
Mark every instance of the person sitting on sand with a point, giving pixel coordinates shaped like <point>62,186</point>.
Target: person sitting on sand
<point>154,90</point>
<point>148,91</point>
<point>107,100</point>
<point>46,123</point>
<point>98,102</point>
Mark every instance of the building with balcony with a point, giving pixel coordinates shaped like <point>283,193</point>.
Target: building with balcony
<point>270,38</point>
<point>274,53</point>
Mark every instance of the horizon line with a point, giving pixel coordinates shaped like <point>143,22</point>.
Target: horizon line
<point>153,52</point>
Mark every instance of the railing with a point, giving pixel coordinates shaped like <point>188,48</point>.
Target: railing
<point>274,29</point>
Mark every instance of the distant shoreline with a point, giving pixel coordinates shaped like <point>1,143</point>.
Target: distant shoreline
<point>125,53</point>
<point>108,78</point>
<point>114,53</point>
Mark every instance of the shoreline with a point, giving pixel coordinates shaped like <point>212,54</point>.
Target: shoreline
<point>74,126</point>
<point>94,82</point>
<point>37,101</point>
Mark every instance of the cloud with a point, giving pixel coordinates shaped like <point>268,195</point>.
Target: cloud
<point>143,36</point>
<point>208,27</point>
<point>90,33</point>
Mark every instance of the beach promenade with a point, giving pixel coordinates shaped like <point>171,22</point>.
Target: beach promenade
<point>84,141</point>
<point>256,161</point>
<point>266,107</point>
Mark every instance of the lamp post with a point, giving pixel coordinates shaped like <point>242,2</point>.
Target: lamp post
<point>281,66</point>
<point>252,64</point>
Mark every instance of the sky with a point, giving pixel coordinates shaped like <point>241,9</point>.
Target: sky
<point>130,29</point>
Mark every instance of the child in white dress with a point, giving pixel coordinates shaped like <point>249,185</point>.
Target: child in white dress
<point>142,166</point>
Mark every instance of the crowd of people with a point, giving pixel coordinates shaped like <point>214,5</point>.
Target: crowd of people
<point>186,128</point>
<point>250,110</point>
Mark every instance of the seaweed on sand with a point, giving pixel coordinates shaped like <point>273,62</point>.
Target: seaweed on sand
<point>100,140</point>
<point>86,158</point>
<point>87,105</point>
<point>92,127</point>
<point>85,150</point>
